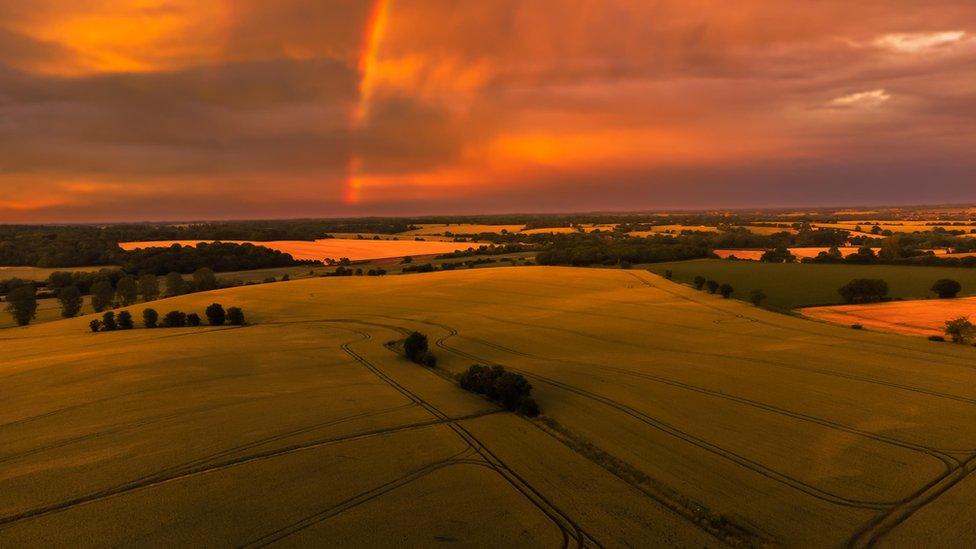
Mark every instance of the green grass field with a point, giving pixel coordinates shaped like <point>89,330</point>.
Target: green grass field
<point>671,418</point>
<point>799,285</point>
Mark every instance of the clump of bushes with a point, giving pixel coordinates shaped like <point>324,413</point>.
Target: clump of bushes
<point>111,322</point>
<point>864,290</point>
<point>509,389</point>
<point>416,348</point>
<point>960,330</point>
<point>946,288</point>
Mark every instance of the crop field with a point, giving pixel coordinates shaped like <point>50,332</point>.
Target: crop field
<point>792,285</point>
<point>334,248</point>
<point>670,418</point>
<point>901,226</point>
<point>41,273</point>
<point>460,229</point>
<point>918,317</point>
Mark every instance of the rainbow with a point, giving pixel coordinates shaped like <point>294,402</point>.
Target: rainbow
<point>368,67</point>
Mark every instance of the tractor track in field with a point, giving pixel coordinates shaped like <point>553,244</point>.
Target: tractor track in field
<point>156,479</point>
<point>570,529</point>
<point>363,498</point>
<point>738,459</point>
<point>875,530</point>
<point>777,364</point>
<point>938,453</point>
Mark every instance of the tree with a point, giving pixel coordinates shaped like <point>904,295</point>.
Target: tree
<point>150,318</point>
<point>125,320</point>
<point>780,254</point>
<point>864,290</point>
<point>174,319</point>
<point>127,291</point>
<point>95,325</point>
<point>699,282</point>
<point>668,274</point>
<point>961,330</point>
<point>175,285</point>
<point>415,345</point>
<point>947,288</point>
<point>235,316</point>
<point>193,319</point>
<point>204,279</point>
<point>102,295</point>
<point>712,286</point>
<point>215,314</point>
<point>22,304</point>
<point>149,287</point>
<point>408,259</point>
<point>71,301</point>
<point>757,296</point>
<point>726,290</point>
<point>108,322</point>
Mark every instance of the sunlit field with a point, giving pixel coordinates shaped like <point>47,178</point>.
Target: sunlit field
<point>334,248</point>
<point>917,317</point>
<point>670,418</point>
<point>804,253</point>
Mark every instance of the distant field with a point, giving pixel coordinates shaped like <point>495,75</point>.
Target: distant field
<point>919,317</point>
<point>460,228</point>
<point>42,273</point>
<point>901,226</point>
<point>798,285</point>
<point>672,418</point>
<point>334,248</point>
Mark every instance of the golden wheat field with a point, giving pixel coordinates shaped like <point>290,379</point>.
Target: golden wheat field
<point>912,317</point>
<point>670,418</point>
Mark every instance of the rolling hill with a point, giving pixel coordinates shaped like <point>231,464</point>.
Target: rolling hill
<point>670,417</point>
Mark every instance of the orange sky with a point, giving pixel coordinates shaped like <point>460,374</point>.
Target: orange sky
<point>179,109</point>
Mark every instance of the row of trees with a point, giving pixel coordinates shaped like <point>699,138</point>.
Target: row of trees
<point>713,287</point>
<point>215,313</point>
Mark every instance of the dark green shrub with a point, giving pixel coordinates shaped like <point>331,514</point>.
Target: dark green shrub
<point>108,322</point>
<point>864,290</point>
<point>215,314</point>
<point>150,318</point>
<point>124,320</point>
<point>235,316</point>
<point>699,282</point>
<point>95,325</point>
<point>174,319</point>
<point>415,345</point>
<point>193,319</point>
<point>947,288</point>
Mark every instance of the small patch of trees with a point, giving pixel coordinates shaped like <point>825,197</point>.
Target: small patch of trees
<point>22,304</point>
<point>509,389</point>
<point>779,254</point>
<point>417,349</point>
<point>947,288</point>
<point>174,319</point>
<point>864,290</point>
<point>111,322</point>
<point>149,287</point>
<point>712,286</point>
<point>699,282</point>
<point>726,290</point>
<point>235,316</point>
<point>102,295</point>
<point>216,316</point>
<point>960,330</point>
<point>127,291</point>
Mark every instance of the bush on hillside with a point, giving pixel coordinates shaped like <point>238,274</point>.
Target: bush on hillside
<point>415,345</point>
<point>864,290</point>
<point>108,322</point>
<point>174,319</point>
<point>193,319</point>
<point>215,314</point>
<point>509,389</point>
<point>700,282</point>
<point>150,318</point>
<point>235,316</point>
<point>960,330</point>
<point>124,319</point>
<point>947,288</point>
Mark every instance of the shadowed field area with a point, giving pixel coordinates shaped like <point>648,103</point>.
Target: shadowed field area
<point>670,418</point>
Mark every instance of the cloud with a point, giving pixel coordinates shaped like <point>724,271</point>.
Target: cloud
<point>919,41</point>
<point>177,108</point>
<point>861,100</point>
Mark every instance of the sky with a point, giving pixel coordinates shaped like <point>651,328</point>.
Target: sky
<point>125,110</point>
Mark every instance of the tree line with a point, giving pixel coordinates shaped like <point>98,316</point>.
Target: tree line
<point>215,313</point>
